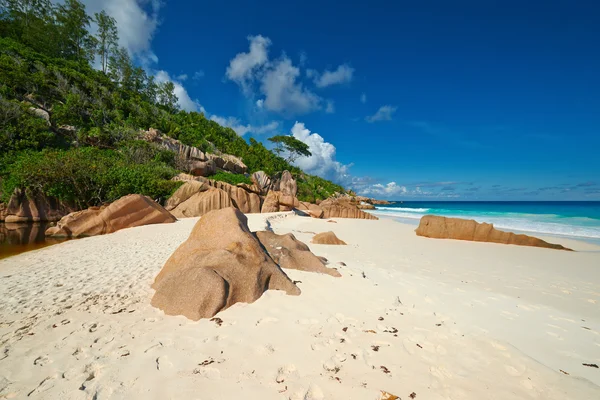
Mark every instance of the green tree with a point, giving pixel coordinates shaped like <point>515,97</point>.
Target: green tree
<point>73,23</point>
<point>291,146</point>
<point>107,37</point>
<point>167,97</point>
<point>121,68</point>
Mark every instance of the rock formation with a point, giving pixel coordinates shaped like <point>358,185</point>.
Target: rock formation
<point>202,202</point>
<point>277,201</point>
<point>312,210</point>
<point>127,212</point>
<point>26,207</point>
<point>262,182</point>
<point>197,162</point>
<point>327,238</point>
<point>343,208</point>
<point>290,253</point>
<point>199,195</point>
<point>271,203</point>
<point>220,264</point>
<point>433,226</point>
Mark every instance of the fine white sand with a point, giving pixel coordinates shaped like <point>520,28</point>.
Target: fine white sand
<point>442,319</point>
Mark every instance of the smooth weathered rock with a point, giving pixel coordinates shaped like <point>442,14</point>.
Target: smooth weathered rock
<point>271,203</point>
<point>434,226</point>
<point>262,181</point>
<point>31,207</point>
<point>202,168</point>
<point>327,238</point>
<point>220,264</point>
<point>276,201</point>
<point>288,185</point>
<point>246,202</point>
<point>185,191</point>
<point>127,212</point>
<point>290,253</point>
<point>311,209</point>
<point>202,202</point>
<point>343,208</point>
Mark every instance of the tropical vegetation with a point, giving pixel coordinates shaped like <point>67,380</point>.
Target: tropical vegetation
<point>72,105</point>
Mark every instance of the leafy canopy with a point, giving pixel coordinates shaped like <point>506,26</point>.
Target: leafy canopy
<point>291,146</point>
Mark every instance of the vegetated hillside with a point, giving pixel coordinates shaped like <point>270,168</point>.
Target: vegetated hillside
<point>72,131</point>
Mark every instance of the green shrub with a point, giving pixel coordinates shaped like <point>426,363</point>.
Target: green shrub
<point>230,178</point>
<point>86,176</point>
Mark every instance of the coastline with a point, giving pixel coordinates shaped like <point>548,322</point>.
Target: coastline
<point>453,319</point>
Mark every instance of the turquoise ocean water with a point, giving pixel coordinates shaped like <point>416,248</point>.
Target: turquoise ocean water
<point>578,220</point>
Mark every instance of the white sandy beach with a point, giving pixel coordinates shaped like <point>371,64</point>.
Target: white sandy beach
<point>438,318</point>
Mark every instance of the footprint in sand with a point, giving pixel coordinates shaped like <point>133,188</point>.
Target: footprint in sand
<point>285,372</point>
<point>163,363</point>
<point>266,320</point>
<point>264,350</point>
<point>44,385</point>
<point>42,360</point>
<point>207,372</point>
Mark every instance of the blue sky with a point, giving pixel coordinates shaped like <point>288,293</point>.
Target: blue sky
<point>463,100</point>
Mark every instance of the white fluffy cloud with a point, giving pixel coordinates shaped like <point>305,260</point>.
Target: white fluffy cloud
<point>279,81</point>
<point>137,21</point>
<point>379,189</point>
<point>283,93</point>
<point>322,162</point>
<point>241,129</point>
<point>383,114</point>
<point>184,100</point>
<point>343,74</point>
<point>243,67</point>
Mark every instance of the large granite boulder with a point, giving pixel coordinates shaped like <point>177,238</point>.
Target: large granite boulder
<point>246,202</point>
<point>327,238</point>
<point>290,253</point>
<point>127,212</point>
<point>434,226</point>
<point>220,264</point>
<point>343,208</point>
<point>277,201</point>
<point>271,203</point>
<point>199,195</point>
<point>262,181</point>
<point>202,202</point>
<point>30,207</point>
<point>312,210</point>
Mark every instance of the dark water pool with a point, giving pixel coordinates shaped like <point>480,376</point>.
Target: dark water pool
<point>17,238</point>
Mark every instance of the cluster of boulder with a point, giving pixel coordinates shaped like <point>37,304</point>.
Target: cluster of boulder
<point>199,195</point>
<point>127,212</point>
<point>434,226</point>
<point>210,272</point>
<point>195,161</point>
